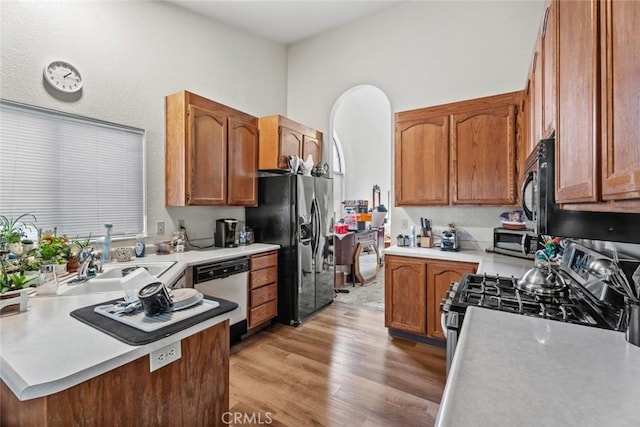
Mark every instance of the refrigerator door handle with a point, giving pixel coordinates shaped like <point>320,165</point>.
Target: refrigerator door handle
<point>314,227</point>
<point>318,222</point>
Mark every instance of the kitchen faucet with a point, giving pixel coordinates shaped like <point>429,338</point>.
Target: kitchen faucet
<point>90,263</point>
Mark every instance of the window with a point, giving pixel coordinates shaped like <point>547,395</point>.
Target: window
<point>338,176</point>
<point>73,173</point>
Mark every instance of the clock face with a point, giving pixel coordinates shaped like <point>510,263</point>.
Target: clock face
<point>63,76</point>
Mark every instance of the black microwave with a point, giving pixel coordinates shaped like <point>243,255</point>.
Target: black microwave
<point>538,202</point>
<point>518,243</point>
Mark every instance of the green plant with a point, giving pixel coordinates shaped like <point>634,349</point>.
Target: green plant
<point>11,282</point>
<point>29,264</point>
<point>54,248</point>
<point>12,230</point>
<point>81,244</point>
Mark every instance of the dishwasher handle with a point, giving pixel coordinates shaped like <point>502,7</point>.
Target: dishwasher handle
<point>219,270</point>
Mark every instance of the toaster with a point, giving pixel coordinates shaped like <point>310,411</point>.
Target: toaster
<point>449,240</point>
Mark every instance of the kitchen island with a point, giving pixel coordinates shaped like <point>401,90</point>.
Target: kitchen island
<point>56,370</point>
<point>510,369</point>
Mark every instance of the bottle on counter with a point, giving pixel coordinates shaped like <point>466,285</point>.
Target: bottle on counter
<point>106,245</point>
<point>412,236</point>
<point>140,246</point>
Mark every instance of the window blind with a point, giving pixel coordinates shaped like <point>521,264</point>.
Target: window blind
<point>73,173</point>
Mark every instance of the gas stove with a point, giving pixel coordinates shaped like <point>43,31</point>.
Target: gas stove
<point>584,300</point>
<point>500,293</point>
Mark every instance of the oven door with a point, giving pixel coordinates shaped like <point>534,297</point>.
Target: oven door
<point>451,328</point>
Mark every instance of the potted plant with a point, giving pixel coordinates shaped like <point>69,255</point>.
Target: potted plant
<point>12,230</point>
<point>30,266</point>
<point>78,245</point>
<point>55,250</point>
<point>13,290</point>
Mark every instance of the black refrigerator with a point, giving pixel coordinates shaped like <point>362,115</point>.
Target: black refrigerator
<point>295,212</point>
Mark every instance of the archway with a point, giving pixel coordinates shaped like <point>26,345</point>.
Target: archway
<point>361,131</point>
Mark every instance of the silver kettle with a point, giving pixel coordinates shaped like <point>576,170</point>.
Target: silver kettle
<point>537,281</point>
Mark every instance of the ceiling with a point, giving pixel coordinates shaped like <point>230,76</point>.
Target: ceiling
<point>285,22</point>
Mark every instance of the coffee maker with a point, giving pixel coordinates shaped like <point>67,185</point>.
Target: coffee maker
<point>225,235</point>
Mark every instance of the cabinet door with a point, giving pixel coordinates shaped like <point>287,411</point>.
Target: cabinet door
<point>548,71</point>
<point>621,100</point>
<point>313,146</point>
<point>290,144</point>
<point>207,157</point>
<point>536,119</point>
<point>439,278</point>
<point>577,157</point>
<point>422,161</point>
<point>242,163</point>
<point>405,290</point>
<point>483,158</point>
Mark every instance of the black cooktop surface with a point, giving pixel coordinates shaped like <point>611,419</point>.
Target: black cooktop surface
<point>500,293</point>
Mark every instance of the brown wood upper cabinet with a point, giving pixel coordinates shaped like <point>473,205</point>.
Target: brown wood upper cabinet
<point>281,137</point>
<point>459,153</point>
<point>598,73</point>
<point>211,153</point>
<point>422,159</point>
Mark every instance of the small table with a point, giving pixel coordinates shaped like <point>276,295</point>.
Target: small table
<point>345,249</point>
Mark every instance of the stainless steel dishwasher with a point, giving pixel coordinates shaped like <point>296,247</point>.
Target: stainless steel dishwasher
<point>227,280</point>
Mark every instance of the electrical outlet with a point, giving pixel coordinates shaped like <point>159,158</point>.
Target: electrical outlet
<point>165,355</point>
<point>160,228</point>
<point>404,224</point>
<point>181,224</point>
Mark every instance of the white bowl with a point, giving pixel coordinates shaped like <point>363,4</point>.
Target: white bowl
<point>377,219</point>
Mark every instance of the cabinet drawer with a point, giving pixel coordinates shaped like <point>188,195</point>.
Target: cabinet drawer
<point>262,261</point>
<point>263,277</point>
<point>262,313</point>
<point>264,294</point>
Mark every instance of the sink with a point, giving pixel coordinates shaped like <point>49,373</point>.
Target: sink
<point>118,271</point>
<point>110,279</point>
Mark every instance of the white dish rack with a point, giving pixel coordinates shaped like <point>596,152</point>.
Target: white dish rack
<point>139,320</point>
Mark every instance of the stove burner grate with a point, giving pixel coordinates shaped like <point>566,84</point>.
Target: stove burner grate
<point>500,293</point>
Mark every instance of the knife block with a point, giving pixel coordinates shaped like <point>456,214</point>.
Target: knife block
<point>425,241</point>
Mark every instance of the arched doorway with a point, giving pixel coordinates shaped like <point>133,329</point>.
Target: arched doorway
<point>361,130</point>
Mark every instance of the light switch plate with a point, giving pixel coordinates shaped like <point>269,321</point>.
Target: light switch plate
<point>404,224</point>
<point>165,355</point>
<point>160,228</point>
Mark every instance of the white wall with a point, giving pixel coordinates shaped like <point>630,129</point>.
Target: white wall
<point>131,55</point>
<point>419,54</point>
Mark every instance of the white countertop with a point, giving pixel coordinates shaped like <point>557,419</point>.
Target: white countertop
<point>44,350</point>
<point>539,372</point>
<point>190,258</point>
<point>489,263</point>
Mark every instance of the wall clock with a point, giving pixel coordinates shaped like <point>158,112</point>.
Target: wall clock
<point>63,77</point>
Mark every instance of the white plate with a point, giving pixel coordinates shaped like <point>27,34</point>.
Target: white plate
<point>185,297</point>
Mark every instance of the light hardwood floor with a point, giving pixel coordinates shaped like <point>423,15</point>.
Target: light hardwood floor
<point>339,368</point>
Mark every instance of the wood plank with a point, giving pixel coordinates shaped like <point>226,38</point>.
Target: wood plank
<point>339,368</point>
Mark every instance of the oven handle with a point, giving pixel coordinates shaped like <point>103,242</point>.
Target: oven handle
<point>523,244</point>
<point>443,323</point>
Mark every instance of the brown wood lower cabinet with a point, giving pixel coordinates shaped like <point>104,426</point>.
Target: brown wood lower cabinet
<point>193,390</point>
<point>263,289</point>
<point>414,288</point>
<point>440,274</point>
